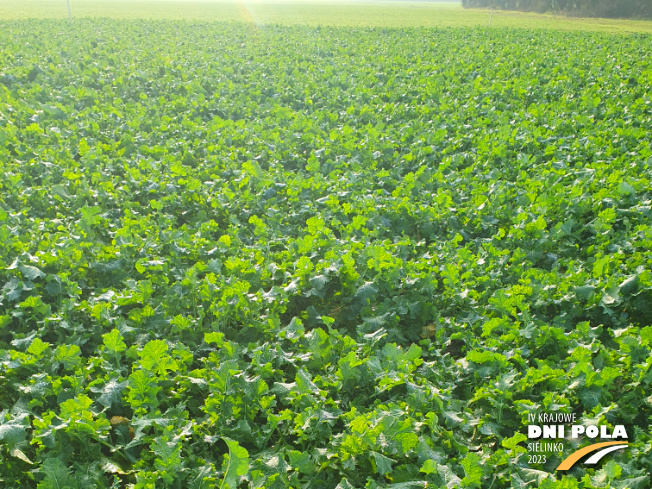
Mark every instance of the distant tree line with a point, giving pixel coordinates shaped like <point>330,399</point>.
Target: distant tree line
<point>589,8</point>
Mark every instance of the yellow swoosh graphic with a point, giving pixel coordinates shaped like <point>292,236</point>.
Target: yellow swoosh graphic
<point>575,456</point>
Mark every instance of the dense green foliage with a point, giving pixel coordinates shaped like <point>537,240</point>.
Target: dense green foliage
<point>590,8</point>
<point>319,257</point>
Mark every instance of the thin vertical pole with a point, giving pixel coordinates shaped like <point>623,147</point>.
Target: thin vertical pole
<point>490,15</point>
<point>69,12</point>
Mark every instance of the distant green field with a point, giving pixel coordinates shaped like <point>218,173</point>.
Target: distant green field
<point>333,12</point>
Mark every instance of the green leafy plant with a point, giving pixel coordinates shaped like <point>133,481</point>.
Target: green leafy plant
<point>319,257</point>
